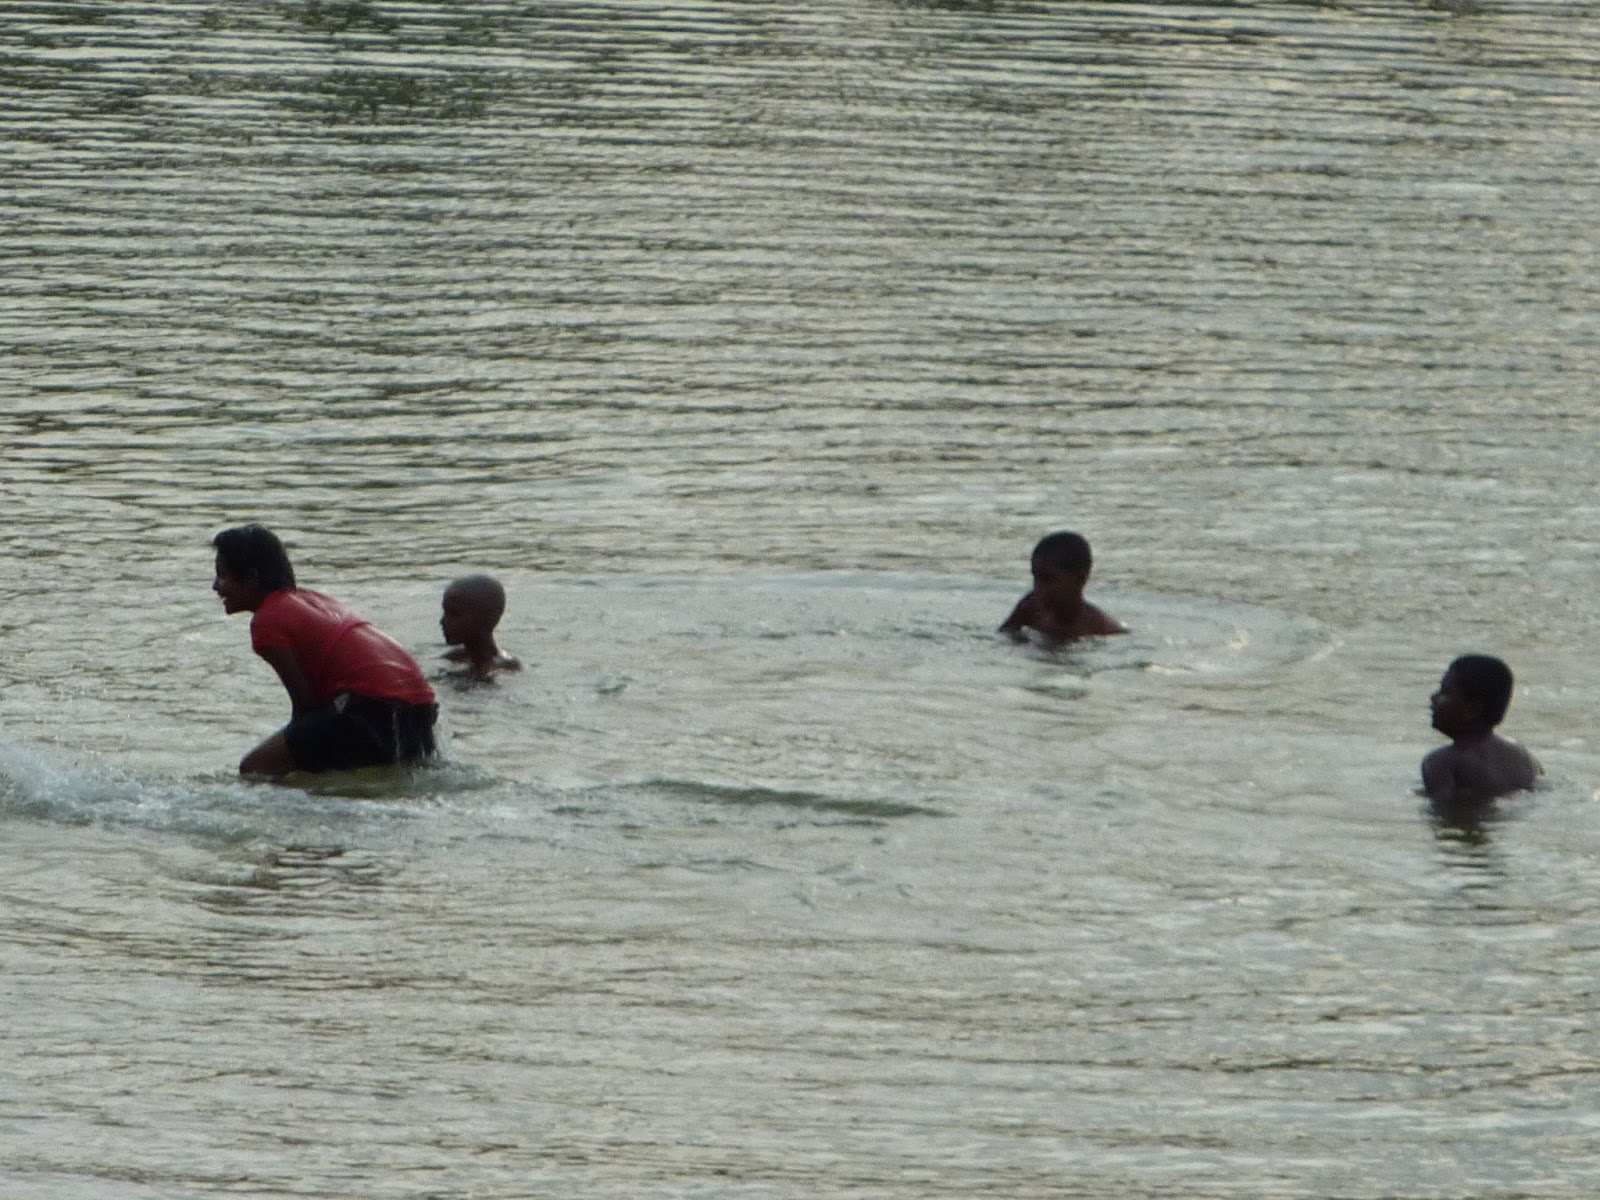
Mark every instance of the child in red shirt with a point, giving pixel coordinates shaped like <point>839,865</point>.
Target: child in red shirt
<point>357,698</point>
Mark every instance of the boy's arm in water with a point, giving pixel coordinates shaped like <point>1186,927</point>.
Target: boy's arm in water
<point>283,661</point>
<point>1021,617</point>
<point>500,662</point>
<point>481,671</point>
<point>1438,775</point>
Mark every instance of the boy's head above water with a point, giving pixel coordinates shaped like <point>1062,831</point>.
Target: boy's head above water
<point>1055,609</point>
<point>1473,696</point>
<point>1061,557</point>
<point>1478,765</point>
<point>473,606</point>
<point>251,564</point>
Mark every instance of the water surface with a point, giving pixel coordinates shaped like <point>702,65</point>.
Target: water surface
<point>753,346</point>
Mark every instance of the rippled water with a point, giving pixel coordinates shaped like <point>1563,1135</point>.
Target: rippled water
<point>753,345</point>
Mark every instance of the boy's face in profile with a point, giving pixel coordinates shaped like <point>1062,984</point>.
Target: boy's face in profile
<point>1455,711</point>
<point>237,593</point>
<point>458,620</point>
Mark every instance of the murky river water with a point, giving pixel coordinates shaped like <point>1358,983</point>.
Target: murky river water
<point>752,346</point>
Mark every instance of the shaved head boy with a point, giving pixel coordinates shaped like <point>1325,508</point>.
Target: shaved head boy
<point>473,606</point>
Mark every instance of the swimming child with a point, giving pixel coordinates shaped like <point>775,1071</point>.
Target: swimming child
<point>1055,608</point>
<point>473,606</point>
<point>357,698</point>
<point>1478,765</point>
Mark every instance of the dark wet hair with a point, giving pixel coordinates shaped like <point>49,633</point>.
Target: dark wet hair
<point>482,592</point>
<point>1487,680</point>
<point>254,552</point>
<point>1063,552</point>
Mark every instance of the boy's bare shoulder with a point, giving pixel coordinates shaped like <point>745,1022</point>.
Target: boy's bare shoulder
<point>1096,622</point>
<point>1520,763</point>
<point>1479,770</point>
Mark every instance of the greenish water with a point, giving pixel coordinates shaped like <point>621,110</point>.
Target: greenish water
<point>753,346</point>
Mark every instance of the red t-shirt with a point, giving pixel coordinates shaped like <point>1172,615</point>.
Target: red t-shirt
<point>337,650</point>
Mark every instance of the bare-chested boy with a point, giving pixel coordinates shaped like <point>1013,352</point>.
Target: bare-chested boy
<point>1055,608</point>
<point>1478,764</point>
<point>473,606</point>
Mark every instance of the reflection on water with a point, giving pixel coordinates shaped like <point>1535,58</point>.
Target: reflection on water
<point>754,346</point>
<point>1465,823</point>
<point>1465,837</point>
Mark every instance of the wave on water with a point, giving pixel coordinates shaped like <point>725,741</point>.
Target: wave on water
<point>39,783</point>
<point>815,802</point>
<point>886,698</point>
<point>1179,636</point>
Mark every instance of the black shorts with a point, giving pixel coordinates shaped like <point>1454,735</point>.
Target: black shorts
<point>358,731</point>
